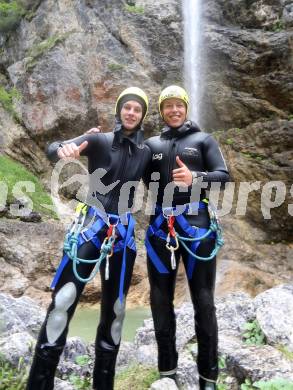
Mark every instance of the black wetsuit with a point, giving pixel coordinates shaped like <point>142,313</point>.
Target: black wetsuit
<point>124,159</point>
<point>200,153</point>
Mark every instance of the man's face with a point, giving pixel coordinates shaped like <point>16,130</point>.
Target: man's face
<point>131,115</point>
<point>174,112</point>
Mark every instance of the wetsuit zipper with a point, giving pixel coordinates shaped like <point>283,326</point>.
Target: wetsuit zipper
<point>119,176</point>
<point>171,160</point>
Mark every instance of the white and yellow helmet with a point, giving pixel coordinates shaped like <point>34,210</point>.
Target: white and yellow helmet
<point>173,91</point>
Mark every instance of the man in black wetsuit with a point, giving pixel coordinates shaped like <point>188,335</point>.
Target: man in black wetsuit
<point>123,157</point>
<point>187,160</point>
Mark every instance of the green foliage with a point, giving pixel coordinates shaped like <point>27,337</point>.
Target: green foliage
<point>247,385</point>
<point>278,26</point>
<point>229,141</point>
<point>12,378</point>
<point>274,384</point>
<point>217,133</point>
<point>288,354</point>
<point>10,14</point>
<point>113,66</point>
<point>221,385</point>
<point>255,156</point>
<point>253,334</point>
<point>43,47</point>
<point>6,100</point>
<point>80,383</point>
<point>82,360</point>
<point>133,9</point>
<point>12,172</point>
<point>222,362</point>
<point>290,117</point>
<point>136,377</point>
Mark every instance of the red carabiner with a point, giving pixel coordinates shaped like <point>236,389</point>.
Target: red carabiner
<point>171,220</point>
<point>110,231</point>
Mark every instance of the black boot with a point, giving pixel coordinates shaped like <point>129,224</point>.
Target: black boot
<point>206,385</point>
<point>171,376</point>
<point>104,370</point>
<point>42,373</point>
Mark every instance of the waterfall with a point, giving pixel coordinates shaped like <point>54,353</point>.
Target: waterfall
<point>192,34</point>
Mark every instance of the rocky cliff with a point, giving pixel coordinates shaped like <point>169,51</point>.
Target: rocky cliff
<point>62,66</point>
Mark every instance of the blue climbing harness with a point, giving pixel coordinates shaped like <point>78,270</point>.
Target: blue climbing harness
<point>78,234</point>
<point>194,236</point>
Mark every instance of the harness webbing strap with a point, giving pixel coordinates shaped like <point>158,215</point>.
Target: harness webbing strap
<point>90,234</point>
<point>195,235</point>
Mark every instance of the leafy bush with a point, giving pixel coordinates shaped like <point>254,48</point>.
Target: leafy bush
<point>11,173</point>
<point>10,14</point>
<point>43,47</point>
<point>285,351</point>
<point>6,100</point>
<point>229,141</point>
<point>136,377</point>
<point>253,334</point>
<point>82,360</point>
<point>278,26</point>
<point>80,383</point>
<point>134,9</point>
<point>274,384</point>
<point>12,378</point>
<point>115,67</point>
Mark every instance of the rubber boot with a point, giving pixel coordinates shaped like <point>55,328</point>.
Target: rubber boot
<point>104,370</point>
<point>171,376</point>
<point>167,354</point>
<point>206,385</point>
<point>42,373</point>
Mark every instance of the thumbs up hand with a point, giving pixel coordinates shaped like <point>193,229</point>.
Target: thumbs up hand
<point>71,150</point>
<point>181,176</point>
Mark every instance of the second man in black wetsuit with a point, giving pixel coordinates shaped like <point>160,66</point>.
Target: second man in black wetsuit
<point>186,160</point>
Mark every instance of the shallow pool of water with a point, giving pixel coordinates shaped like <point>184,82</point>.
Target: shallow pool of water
<point>85,320</point>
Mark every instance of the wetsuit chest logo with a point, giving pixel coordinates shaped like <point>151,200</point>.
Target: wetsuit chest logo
<point>157,156</point>
<point>190,152</point>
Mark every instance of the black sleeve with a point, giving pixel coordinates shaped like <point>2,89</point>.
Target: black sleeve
<point>216,168</point>
<point>94,140</point>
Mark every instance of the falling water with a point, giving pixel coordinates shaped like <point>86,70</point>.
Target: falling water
<point>192,34</point>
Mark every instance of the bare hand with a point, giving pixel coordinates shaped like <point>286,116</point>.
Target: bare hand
<point>71,150</point>
<point>182,176</point>
<point>94,130</point>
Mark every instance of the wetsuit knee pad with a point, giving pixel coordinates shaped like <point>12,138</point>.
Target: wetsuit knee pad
<point>116,328</point>
<point>58,317</point>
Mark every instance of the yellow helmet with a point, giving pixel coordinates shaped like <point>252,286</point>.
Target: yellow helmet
<point>132,93</point>
<point>173,91</point>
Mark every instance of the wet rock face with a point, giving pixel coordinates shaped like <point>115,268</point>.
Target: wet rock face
<point>260,155</point>
<point>247,50</point>
<point>75,60</point>
<point>252,13</point>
